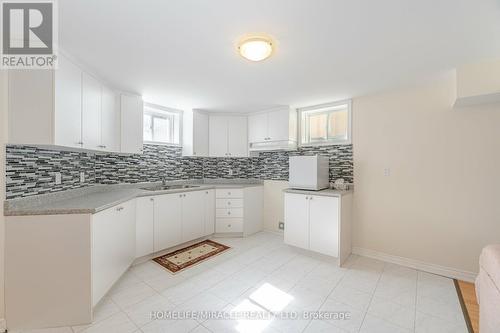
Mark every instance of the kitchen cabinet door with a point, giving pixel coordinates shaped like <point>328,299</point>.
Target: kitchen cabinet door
<point>218,140</point>
<point>257,128</point>
<point>278,125</point>
<point>237,136</point>
<point>131,116</point>
<point>110,121</point>
<point>113,246</point>
<point>324,225</point>
<point>167,221</point>
<point>200,134</point>
<point>193,219</point>
<point>209,212</point>
<point>144,233</point>
<point>91,112</point>
<point>68,104</point>
<point>297,220</point>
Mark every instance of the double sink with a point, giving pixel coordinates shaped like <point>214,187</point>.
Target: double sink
<point>167,187</point>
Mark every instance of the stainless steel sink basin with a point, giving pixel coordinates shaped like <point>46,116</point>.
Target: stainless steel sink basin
<point>168,187</point>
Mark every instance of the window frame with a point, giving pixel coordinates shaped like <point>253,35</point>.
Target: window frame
<point>321,109</point>
<point>158,111</point>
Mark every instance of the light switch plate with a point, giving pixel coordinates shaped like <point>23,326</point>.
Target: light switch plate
<point>58,178</point>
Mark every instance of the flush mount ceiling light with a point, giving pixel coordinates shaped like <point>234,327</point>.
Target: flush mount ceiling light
<point>256,48</point>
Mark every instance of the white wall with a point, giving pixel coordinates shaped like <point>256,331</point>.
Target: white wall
<point>3,140</point>
<point>273,204</point>
<point>441,202</point>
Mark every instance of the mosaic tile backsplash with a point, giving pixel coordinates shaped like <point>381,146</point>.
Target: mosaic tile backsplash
<point>30,170</point>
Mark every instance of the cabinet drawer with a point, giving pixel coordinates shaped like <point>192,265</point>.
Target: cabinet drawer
<point>228,225</point>
<point>229,193</point>
<point>229,213</point>
<point>229,203</point>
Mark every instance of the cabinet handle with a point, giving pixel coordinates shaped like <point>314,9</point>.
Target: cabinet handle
<point>79,143</point>
<point>206,192</point>
<point>151,199</point>
<point>307,198</point>
<point>310,198</point>
<point>228,213</point>
<point>119,209</point>
<point>180,195</point>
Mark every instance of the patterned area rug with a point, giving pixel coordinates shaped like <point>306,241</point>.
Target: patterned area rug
<point>181,259</point>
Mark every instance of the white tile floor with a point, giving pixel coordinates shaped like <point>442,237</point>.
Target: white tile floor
<point>261,274</point>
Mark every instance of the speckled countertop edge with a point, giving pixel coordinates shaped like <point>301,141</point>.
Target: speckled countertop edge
<point>326,192</point>
<point>96,198</point>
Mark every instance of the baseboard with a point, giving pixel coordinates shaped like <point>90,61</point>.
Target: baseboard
<point>3,326</point>
<point>417,264</point>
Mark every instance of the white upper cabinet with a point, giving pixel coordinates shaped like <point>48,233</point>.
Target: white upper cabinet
<point>273,129</point>
<point>257,127</point>
<point>195,133</point>
<point>31,107</point>
<point>132,113</point>
<point>237,136</point>
<point>68,104</point>
<point>70,108</point>
<point>91,112</point>
<point>228,136</point>
<point>110,120</point>
<point>217,136</point>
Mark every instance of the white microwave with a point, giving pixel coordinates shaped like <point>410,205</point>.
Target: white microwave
<point>309,172</point>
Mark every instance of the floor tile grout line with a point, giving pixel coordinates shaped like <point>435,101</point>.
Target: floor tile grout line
<point>371,298</point>
<point>328,296</point>
<point>416,302</point>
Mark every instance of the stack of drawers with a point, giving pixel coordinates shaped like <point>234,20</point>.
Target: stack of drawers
<point>229,210</point>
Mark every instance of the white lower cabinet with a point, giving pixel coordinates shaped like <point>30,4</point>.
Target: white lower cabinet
<point>113,246</point>
<point>239,210</point>
<point>313,222</point>
<point>193,221</point>
<point>164,221</point>
<point>209,208</point>
<point>297,220</point>
<point>144,226</point>
<point>324,225</point>
<point>167,221</point>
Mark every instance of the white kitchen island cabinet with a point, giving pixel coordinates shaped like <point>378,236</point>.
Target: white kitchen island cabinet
<point>319,221</point>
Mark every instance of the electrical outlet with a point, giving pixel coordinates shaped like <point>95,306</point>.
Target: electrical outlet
<point>82,177</point>
<point>387,172</point>
<point>281,225</point>
<point>58,178</point>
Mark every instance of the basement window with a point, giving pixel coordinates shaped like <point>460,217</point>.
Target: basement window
<point>162,125</point>
<point>326,124</point>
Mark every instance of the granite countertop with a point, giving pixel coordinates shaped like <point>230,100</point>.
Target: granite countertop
<point>93,199</point>
<point>326,192</point>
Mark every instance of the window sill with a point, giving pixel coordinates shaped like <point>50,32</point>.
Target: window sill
<point>162,143</point>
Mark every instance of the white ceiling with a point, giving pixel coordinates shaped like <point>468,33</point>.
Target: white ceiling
<point>182,53</point>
